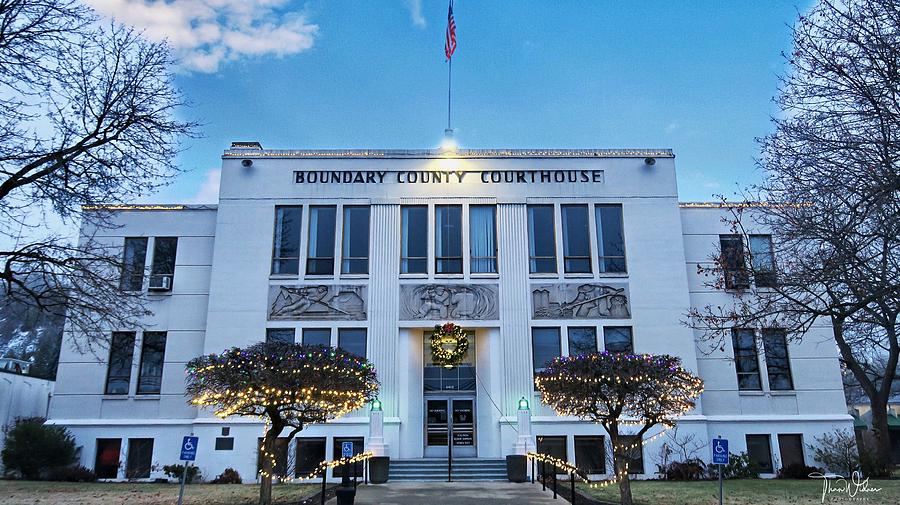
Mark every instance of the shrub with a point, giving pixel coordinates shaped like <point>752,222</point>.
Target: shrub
<point>691,469</point>
<point>71,474</point>
<point>33,447</point>
<point>837,450</point>
<point>868,460</point>
<point>739,466</point>
<point>797,471</point>
<point>229,476</point>
<point>175,471</point>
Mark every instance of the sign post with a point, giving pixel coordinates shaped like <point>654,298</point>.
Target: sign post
<point>188,454</point>
<point>720,457</point>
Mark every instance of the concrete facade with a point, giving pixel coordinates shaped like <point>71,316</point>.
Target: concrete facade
<point>223,287</point>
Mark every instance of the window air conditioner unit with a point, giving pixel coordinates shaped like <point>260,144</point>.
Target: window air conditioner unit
<point>160,283</point>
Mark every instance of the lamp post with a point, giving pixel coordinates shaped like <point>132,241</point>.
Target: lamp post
<point>524,441</point>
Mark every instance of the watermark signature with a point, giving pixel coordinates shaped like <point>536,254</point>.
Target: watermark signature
<point>848,488</point>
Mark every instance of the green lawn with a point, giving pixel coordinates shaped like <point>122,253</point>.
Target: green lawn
<point>746,492</point>
<point>14,492</point>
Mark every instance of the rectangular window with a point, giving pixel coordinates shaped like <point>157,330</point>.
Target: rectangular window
<point>310,453</point>
<point>541,239</point>
<point>762,258</point>
<point>162,273</point>
<point>576,239</point>
<point>760,451</point>
<point>554,446</point>
<point>281,453</point>
<point>590,454</point>
<point>121,352</point>
<point>285,335</point>
<point>746,361</point>
<point>317,336</point>
<point>286,246</point>
<point>140,458</point>
<point>355,249</point>
<point>106,464</point>
<point>634,452</point>
<point>448,239</point>
<point>610,238</point>
<point>320,249</point>
<point>413,239</point>
<point>133,261</point>
<point>357,449</point>
<point>482,239</point>
<point>791,448</point>
<point>224,443</point>
<point>778,365</point>
<point>733,262</point>
<point>618,339</point>
<point>153,352</point>
<point>352,340</point>
<point>545,346</point>
<point>582,340</point>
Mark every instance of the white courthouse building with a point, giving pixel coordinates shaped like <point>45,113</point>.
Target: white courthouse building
<point>536,253</point>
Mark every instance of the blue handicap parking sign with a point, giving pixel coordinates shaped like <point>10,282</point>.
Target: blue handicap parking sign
<point>346,449</point>
<point>720,451</point>
<point>189,449</point>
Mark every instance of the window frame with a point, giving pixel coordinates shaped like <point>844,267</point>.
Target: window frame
<point>346,242</point>
<point>365,341</point>
<point>630,339</point>
<point>162,363</point>
<point>736,276</point>
<point>97,453</point>
<point>313,260</point>
<point>593,330</point>
<point>277,236</point>
<point>770,468</point>
<point>304,331</point>
<point>745,350</point>
<point>599,232</point>
<point>156,266</point>
<point>129,348</point>
<point>270,332</point>
<point>564,229</point>
<point>763,278</point>
<point>138,273</point>
<point>534,365</point>
<point>130,463</point>
<point>438,258</point>
<point>588,439</point>
<point>767,335</point>
<point>405,260</point>
<point>493,260</point>
<point>532,243</point>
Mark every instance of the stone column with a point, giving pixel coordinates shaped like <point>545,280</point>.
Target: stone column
<point>524,442</point>
<point>376,433</point>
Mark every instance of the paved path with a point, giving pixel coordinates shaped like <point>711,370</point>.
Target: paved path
<point>455,493</point>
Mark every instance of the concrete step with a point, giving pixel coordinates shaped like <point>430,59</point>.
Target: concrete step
<point>435,469</point>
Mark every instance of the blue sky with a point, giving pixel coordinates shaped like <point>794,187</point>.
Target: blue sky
<point>697,77</point>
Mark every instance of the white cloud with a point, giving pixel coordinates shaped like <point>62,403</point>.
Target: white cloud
<point>415,12</point>
<point>206,33</point>
<point>209,188</point>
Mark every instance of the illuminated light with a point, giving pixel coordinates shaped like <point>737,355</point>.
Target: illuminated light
<point>523,404</point>
<point>448,144</point>
<point>376,405</point>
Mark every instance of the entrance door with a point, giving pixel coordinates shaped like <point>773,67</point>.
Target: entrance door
<point>443,415</point>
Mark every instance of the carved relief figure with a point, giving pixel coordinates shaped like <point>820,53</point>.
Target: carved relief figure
<point>448,301</point>
<point>319,302</point>
<point>579,301</point>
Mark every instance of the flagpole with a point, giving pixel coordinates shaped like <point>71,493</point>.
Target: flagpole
<point>449,87</point>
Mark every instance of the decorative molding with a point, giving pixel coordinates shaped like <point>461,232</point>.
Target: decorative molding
<point>434,302</point>
<point>580,301</point>
<point>318,302</point>
<point>438,153</point>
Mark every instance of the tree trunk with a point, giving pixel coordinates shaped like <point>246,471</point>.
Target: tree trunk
<point>881,434</point>
<point>265,481</point>
<point>620,460</point>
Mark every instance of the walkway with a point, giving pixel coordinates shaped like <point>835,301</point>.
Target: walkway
<point>455,493</point>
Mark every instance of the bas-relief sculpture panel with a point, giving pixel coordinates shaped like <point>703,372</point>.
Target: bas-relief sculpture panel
<point>433,302</point>
<point>580,301</point>
<point>317,302</point>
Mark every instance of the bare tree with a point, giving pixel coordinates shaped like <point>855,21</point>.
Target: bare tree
<point>87,116</point>
<point>832,167</point>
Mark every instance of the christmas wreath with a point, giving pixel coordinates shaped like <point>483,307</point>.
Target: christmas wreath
<point>449,345</point>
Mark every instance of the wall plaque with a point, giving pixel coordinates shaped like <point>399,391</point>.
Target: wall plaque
<point>317,302</point>
<point>435,302</point>
<point>580,301</point>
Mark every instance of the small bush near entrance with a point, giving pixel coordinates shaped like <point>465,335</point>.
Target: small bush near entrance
<point>175,471</point>
<point>798,471</point>
<point>692,469</point>
<point>33,448</point>
<point>229,476</point>
<point>71,474</point>
<point>739,466</point>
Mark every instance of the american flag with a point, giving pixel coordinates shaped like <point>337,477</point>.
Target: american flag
<point>450,42</point>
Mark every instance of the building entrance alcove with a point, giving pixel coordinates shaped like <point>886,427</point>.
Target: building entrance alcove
<point>449,404</point>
